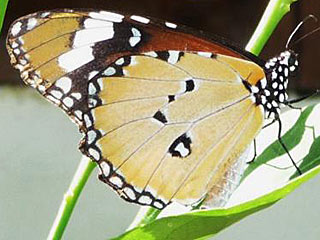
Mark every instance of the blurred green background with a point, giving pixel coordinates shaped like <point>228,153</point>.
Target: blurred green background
<point>38,143</point>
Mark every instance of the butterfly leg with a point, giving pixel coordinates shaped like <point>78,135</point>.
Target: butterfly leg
<point>255,142</point>
<point>284,146</point>
<point>255,152</point>
<point>269,124</point>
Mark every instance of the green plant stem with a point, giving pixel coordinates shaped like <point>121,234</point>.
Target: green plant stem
<point>144,216</point>
<point>274,12</point>
<point>70,198</point>
<point>3,8</point>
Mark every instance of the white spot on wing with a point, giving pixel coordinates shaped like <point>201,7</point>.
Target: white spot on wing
<point>32,22</point>
<point>91,89</point>
<point>158,204</point>
<point>95,23</point>
<point>135,32</point>
<point>205,54</point>
<point>130,193</point>
<point>109,16</point>
<point>68,101</point>
<point>134,41</point>
<point>16,51</point>
<point>52,99</point>
<point>151,54</point>
<point>23,62</point>
<point>92,74</point>
<point>24,75</point>
<point>87,121</point>
<point>105,168</point>
<point>92,102</point>
<point>45,14</point>
<point>14,44</point>
<point>75,58</point>
<point>100,82</point>
<point>109,71</point>
<point>20,39</point>
<point>41,88</point>
<point>136,37</point>
<point>173,57</point>
<point>133,61</point>
<point>182,150</point>
<point>64,83</point>
<point>144,199</point>
<point>56,94</point>
<point>94,153</point>
<point>87,36</point>
<point>140,19</point>
<point>171,25</point>
<point>91,136</point>
<point>16,28</point>
<point>78,114</point>
<point>76,95</point>
<point>116,181</point>
<point>120,61</point>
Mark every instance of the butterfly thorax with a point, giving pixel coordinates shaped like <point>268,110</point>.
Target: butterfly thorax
<point>271,91</point>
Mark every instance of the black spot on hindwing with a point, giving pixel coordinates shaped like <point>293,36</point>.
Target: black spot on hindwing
<point>181,147</point>
<point>170,56</point>
<point>160,117</point>
<point>171,98</point>
<point>189,85</point>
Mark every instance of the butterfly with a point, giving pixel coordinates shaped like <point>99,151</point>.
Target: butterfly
<point>166,111</point>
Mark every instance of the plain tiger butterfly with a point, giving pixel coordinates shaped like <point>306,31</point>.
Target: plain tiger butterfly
<point>166,111</point>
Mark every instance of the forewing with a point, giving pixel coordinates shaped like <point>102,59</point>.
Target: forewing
<point>58,52</point>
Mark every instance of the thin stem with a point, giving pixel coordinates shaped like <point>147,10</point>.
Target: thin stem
<point>70,198</point>
<point>274,12</point>
<point>3,8</point>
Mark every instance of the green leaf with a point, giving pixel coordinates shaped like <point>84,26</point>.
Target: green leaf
<point>207,223</point>
<point>3,8</point>
<point>311,160</point>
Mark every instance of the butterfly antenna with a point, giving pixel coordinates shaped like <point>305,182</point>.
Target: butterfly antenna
<point>298,27</point>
